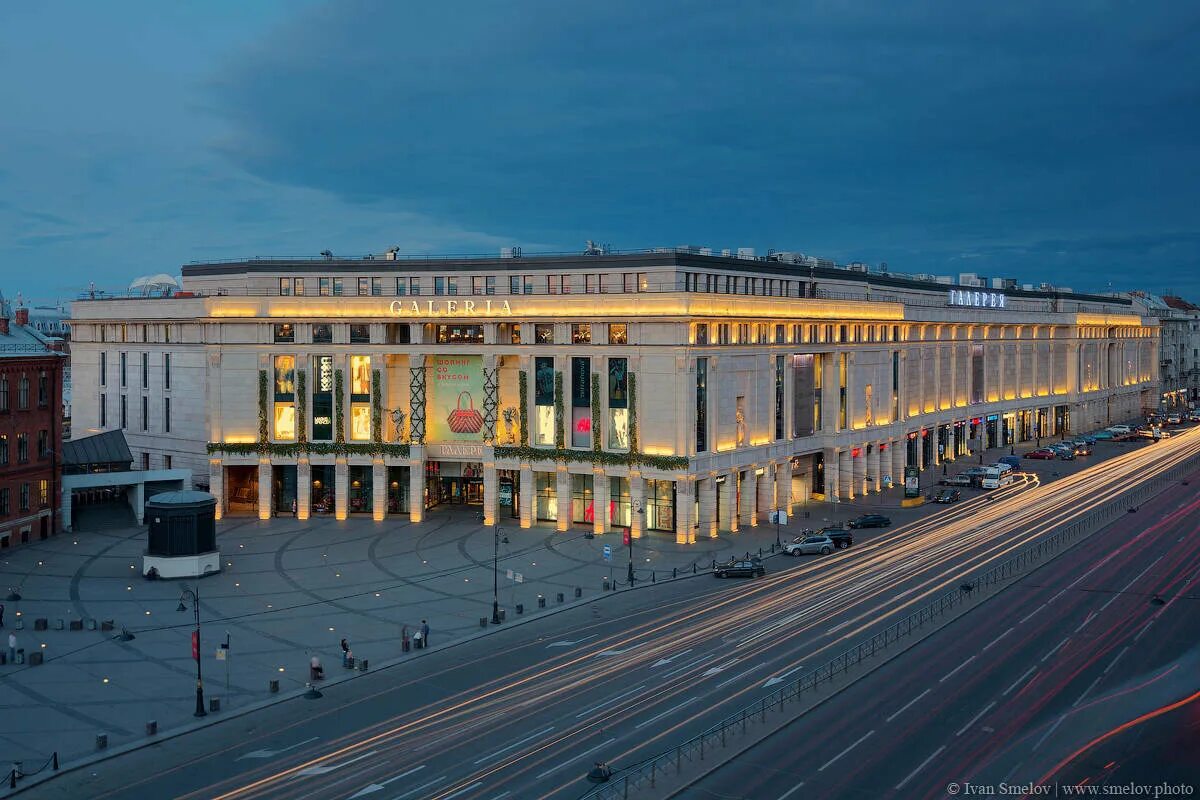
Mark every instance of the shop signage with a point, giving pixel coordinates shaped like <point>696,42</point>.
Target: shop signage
<point>455,410</point>
<point>455,450</point>
<point>504,493</point>
<point>974,299</point>
<point>450,308</point>
<point>912,482</point>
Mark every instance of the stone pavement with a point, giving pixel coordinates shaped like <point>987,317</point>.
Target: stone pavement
<point>290,590</point>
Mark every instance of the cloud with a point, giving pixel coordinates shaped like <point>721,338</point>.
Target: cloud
<point>41,240</point>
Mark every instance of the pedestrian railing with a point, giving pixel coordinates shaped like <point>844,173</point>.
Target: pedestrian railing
<point>18,770</point>
<point>645,773</point>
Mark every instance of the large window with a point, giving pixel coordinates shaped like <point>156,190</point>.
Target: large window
<point>360,334</point>
<point>581,333</point>
<point>322,333</point>
<point>619,508</point>
<point>977,374</point>
<point>546,495</point>
<point>460,334</point>
<point>779,412</point>
<point>543,382</point>
<point>166,370</point>
<point>660,505</point>
<point>806,394</point>
<point>284,332</point>
<point>285,398</point>
<point>581,402</point>
<point>618,404</point>
<point>360,398</point>
<point>543,333</point>
<point>125,364</point>
<point>582,505</point>
<point>701,405</point>
<point>322,399</point>
<point>103,376</point>
<point>618,333</point>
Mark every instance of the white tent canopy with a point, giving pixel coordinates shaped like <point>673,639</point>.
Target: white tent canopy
<point>161,282</point>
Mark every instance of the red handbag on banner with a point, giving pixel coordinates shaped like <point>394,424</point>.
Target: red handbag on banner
<point>465,420</point>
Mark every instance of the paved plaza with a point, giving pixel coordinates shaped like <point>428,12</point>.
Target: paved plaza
<point>290,590</point>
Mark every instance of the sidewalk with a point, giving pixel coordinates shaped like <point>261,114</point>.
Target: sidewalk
<point>290,590</point>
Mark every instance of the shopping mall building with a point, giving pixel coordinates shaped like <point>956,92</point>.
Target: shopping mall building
<point>665,390</point>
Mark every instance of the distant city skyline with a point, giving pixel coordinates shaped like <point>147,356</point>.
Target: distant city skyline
<point>941,138</point>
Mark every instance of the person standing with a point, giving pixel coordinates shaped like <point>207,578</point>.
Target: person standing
<point>424,633</point>
<point>12,648</point>
<point>1,615</point>
<point>345,651</point>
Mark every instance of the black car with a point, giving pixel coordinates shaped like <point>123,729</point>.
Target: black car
<point>947,496</point>
<point>740,568</point>
<point>870,521</point>
<point>842,538</point>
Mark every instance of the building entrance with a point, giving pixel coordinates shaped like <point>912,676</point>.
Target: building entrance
<point>453,482</point>
<point>241,490</point>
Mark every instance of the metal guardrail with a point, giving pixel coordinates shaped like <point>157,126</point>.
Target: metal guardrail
<point>647,771</point>
<point>18,772</point>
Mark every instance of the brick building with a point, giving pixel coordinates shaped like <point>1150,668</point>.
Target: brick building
<point>31,370</point>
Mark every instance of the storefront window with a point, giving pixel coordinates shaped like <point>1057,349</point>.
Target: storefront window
<point>582,508</point>
<point>285,421</point>
<point>581,402</point>
<point>546,495</point>
<point>285,375</point>
<point>359,497</point>
<point>322,488</point>
<point>618,333</point>
<point>544,401</point>
<point>397,491</point>
<point>284,415</point>
<point>360,375</point>
<point>322,399</point>
<point>284,488</point>
<point>660,505</point>
<point>618,502</point>
<point>618,404</point>
<point>360,422</point>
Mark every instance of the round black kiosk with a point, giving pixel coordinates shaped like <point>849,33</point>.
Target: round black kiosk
<point>182,535</point>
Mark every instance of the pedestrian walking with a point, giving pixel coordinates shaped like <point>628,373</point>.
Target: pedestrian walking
<point>345,651</point>
<point>424,633</point>
<point>12,648</point>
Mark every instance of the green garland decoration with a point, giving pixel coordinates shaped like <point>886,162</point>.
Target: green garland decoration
<point>523,384</point>
<point>595,413</point>
<point>376,409</point>
<point>339,408</point>
<point>560,440</point>
<point>633,426</point>
<point>302,407</point>
<point>264,434</point>
<point>296,449</point>
<point>592,457</point>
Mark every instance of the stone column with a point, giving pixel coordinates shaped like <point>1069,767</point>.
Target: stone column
<point>899,457</point>
<point>951,445</point>
<point>216,485</point>
<point>706,494</point>
<point>562,491</point>
<point>685,533</point>
<point>378,489</point>
<point>599,501</point>
<point>637,499</point>
<point>341,487</point>
<point>264,488</point>
<point>766,493</point>
<point>829,392</point>
<point>832,477</point>
<point>416,484</point>
<point>526,496</point>
<point>783,486</point>
<point>303,488</point>
<point>728,489</point>
<point>748,494</point>
<point>874,479</point>
<point>845,475</point>
<point>490,510</point>
<point>859,465</point>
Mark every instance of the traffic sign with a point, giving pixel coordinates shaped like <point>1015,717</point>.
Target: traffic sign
<point>608,552</point>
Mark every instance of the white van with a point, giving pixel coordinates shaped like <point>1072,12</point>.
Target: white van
<point>994,477</point>
<point>1003,467</point>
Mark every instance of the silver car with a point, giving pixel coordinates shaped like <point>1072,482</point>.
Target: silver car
<point>809,545</point>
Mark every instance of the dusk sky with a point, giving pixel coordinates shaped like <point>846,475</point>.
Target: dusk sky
<point>1047,142</point>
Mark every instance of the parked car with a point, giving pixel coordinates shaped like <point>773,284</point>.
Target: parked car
<point>870,521</point>
<point>957,480</point>
<point>1102,435</point>
<point>740,568</point>
<point>1118,429</point>
<point>1066,453</point>
<point>947,496</point>
<point>841,537</point>
<point>1086,439</point>
<point>1081,448</point>
<point>1044,453</point>
<point>1193,416</point>
<point>1012,461</point>
<point>808,545</point>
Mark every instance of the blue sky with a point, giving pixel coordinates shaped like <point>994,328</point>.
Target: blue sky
<point>1048,142</point>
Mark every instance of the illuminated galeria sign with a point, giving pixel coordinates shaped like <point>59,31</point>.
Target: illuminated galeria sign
<point>973,299</point>
<point>450,308</point>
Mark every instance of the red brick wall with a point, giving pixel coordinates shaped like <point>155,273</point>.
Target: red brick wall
<point>37,417</point>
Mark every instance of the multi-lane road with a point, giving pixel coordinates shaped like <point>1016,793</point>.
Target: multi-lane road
<point>524,713</point>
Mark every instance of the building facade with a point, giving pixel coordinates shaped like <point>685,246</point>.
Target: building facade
<point>657,391</point>
<point>31,372</point>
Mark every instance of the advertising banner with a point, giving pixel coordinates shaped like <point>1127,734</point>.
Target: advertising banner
<point>454,408</point>
<point>912,482</point>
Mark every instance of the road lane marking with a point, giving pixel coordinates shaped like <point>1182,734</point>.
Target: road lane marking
<point>323,768</point>
<point>1113,663</point>
<point>273,753</point>
<point>576,757</point>
<point>657,717</point>
<point>517,743</point>
<point>792,791</point>
<point>616,652</point>
<point>714,670</point>
<point>782,677</point>
<point>908,705</point>
<point>570,643</point>
<point>420,788</point>
<point>742,674</point>
<point>975,718</point>
<point>375,787</point>
<point>694,663</point>
<point>1086,691</point>
<point>662,661</point>
<point>1031,613</point>
<point>1139,575</point>
<point>1019,680</point>
<point>1060,594</point>
<point>1145,628</point>
<point>922,766</point>
<point>502,794</point>
<point>458,731</point>
<point>1083,624</point>
<point>608,702</point>
<point>1046,735</point>
<point>463,790</point>
<point>998,638</point>
<point>847,750</point>
<point>1055,649</point>
<point>956,669</point>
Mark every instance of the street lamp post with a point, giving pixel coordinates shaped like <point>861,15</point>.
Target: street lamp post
<point>194,596</point>
<point>496,574</point>
<point>629,538</point>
